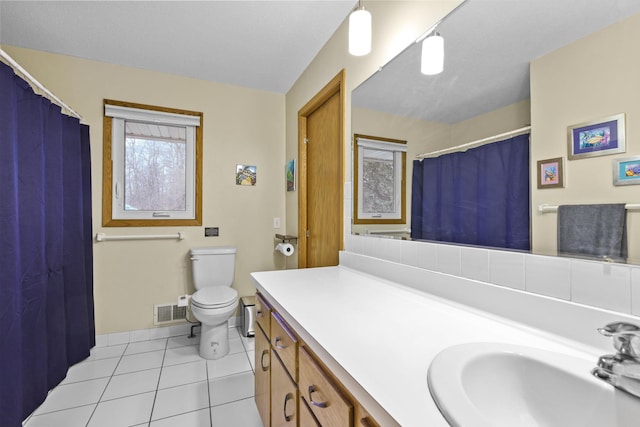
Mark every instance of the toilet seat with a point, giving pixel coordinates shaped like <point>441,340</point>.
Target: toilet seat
<point>214,297</point>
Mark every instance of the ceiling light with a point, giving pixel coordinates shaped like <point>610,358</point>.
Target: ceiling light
<point>432,55</point>
<point>360,32</point>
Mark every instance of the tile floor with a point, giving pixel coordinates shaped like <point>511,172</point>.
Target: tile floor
<point>156,383</point>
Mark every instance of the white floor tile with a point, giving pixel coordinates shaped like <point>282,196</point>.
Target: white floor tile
<point>235,346</point>
<point>133,383</point>
<point>73,395</point>
<point>91,369</point>
<point>231,388</point>
<point>228,365</point>
<point>251,355</point>
<point>242,413</point>
<point>201,418</point>
<point>139,362</point>
<point>180,400</point>
<point>184,373</point>
<point>249,343</point>
<point>127,411</point>
<point>98,353</point>
<point>75,417</point>
<point>182,341</point>
<point>175,356</point>
<point>145,346</point>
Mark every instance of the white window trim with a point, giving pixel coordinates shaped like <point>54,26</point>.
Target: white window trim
<point>397,149</point>
<point>119,115</point>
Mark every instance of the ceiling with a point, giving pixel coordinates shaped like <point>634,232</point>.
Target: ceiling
<point>263,44</point>
<point>488,47</point>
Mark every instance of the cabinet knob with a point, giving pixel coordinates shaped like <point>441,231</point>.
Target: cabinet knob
<point>278,346</point>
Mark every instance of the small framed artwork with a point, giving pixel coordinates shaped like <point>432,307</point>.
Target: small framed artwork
<point>246,175</point>
<point>597,138</point>
<point>550,173</point>
<point>626,171</point>
<point>290,175</point>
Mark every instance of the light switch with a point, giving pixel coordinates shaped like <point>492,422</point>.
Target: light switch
<point>276,222</point>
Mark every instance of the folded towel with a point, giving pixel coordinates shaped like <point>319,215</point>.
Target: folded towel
<point>593,230</point>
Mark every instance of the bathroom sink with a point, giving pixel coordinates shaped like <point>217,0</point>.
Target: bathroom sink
<point>491,384</point>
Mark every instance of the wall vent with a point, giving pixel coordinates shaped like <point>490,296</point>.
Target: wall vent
<point>168,313</point>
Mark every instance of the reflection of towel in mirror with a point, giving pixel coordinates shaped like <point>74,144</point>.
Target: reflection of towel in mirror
<point>593,230</point>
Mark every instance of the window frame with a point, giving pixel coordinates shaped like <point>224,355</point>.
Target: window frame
<point>399,217</point>
<point>108,219</point>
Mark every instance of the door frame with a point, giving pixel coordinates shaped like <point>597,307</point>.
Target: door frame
<point>336,85</point>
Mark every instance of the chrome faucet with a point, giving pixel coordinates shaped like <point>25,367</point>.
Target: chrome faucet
<point>621,370</point>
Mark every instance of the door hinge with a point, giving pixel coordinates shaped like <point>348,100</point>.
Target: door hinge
<point>308,233</point>
<point>306,140</point>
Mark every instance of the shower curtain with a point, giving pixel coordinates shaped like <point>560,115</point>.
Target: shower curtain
<point>46,259</point>
<point>477,197</point>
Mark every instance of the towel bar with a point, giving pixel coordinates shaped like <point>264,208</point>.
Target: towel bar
<point>101,237</point>
<point>544,208</point>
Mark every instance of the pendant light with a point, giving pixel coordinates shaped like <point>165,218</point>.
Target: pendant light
<point>360,32</point>
<point>432,62</point>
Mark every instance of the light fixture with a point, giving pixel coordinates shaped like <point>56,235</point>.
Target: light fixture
<point>359,32</point>
<point>432,55</point>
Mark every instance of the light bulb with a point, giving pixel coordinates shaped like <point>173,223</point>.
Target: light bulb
<point>432,55</point>
<point>360,32</point>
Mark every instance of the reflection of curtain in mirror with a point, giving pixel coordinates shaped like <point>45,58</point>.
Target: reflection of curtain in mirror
<point>477,197</point>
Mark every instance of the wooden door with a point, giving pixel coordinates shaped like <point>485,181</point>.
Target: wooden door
<point>321,176</point>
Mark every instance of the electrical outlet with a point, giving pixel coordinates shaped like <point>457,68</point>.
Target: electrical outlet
<point>276,222</point>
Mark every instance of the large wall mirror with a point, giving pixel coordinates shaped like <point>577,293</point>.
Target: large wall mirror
<point>538,65</point>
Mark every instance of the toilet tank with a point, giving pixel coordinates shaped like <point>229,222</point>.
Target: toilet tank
<point>213,266</point>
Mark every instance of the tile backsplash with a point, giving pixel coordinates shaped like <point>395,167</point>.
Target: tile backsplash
<point>604,285</point>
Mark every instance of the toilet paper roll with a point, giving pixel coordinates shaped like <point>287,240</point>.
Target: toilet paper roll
<point>285,248</point>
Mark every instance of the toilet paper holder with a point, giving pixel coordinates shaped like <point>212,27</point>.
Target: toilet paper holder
<point>284,238</point>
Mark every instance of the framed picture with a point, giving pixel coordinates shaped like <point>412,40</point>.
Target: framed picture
<point>626,171</point>
<point>290,175</point>
<point>550,173</point>
<point>597,138</point>
<point>246,175</point>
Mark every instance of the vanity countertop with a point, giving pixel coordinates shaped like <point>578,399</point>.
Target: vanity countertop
<point>385,335</point>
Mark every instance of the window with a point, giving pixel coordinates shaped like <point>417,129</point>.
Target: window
<point>379,184</point>
<point>152,168</point>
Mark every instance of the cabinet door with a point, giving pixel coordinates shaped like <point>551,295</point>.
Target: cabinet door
<point>284,395</point>
<point>307,419</point>
<point>324,397</point>
<point>263,314</point>
<point>263,377</point>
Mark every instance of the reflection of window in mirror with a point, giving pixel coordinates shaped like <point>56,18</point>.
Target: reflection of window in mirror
<point>379,169</point>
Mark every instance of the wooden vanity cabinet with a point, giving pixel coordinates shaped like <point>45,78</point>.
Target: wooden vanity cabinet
<point>284,395</point>
<point>262,393</point>
<point>302,391</point>
<point>263,314</point>
<point>322,394</point>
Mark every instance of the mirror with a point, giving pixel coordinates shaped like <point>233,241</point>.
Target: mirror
<point>513,64</point>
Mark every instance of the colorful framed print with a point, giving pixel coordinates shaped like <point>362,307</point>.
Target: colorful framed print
<point>246,175</point>
<point>290,175</point>
<point>550,173</point>
<point>626,171</point>
<point>597,138</point>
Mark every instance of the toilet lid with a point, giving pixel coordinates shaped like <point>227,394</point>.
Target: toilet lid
<point>215,296</point>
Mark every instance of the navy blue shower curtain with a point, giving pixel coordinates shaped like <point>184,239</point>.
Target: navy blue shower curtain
<point>477,197</point>
<point>46,258</point>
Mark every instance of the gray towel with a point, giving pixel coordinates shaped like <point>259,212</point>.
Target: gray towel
<point>593,230</point>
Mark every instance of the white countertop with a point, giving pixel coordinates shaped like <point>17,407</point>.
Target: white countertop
<point>385,335</point>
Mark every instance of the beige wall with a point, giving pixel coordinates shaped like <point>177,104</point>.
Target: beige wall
<point>396,24</point>
<point>593,78</point>
<point>241,126</point>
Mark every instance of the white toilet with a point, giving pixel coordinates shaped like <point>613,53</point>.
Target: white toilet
<point>214,301</point>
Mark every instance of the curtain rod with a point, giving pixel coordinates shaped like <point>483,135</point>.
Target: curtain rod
<point>32,80</point>
<point>477,142</point>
